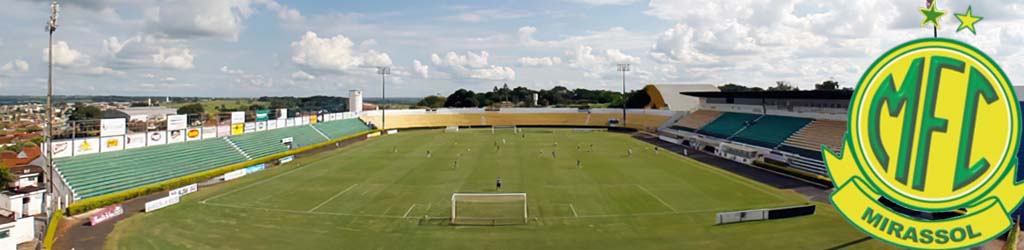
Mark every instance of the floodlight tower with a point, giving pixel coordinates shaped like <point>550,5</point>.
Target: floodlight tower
<point>384,71</point>
<point>51,26</point>
<point>623,67</point>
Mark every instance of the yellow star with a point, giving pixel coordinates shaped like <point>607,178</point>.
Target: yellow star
<point>967,20</point>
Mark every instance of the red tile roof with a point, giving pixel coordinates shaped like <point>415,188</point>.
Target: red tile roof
<point>11,159</point>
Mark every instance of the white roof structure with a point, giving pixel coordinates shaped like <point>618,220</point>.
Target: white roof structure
<point>666,96</point>
<point>149,111</point>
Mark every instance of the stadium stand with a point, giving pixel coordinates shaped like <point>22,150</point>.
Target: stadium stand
<point>810,138</point>
<point>727,124</point>
<point>648,122</point>
<point>266,143</point>
<point>696,120</point>
<point>341,128</point>
<point>769,131</point>
<point>99,174</point>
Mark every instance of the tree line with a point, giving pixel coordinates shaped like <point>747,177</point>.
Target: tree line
<point>828,85</point>
<point>558,96</point>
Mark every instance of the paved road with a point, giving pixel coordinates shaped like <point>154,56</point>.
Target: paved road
<point>774,179</point>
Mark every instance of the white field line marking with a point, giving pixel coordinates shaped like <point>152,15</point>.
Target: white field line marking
<point>253,184</point>
<point>301,212</point>
<point>574,214</point>
<point>656,197</point>
<point>536,218</point>
<point>407,211</point>
<point>332,197</point>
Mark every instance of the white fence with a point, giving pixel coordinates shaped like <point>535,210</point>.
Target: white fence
<point>375,113</point>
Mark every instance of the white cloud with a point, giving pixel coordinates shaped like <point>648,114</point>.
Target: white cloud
<point>607,2</point>
<point>302,76</point>
<point>230,71</point>
<point>200,18</point>
<point>597,65</point>
<point>64,55</point>
<point>677,44</point>
<point>333,54</point>
<point>421,69</point>
<point>539,61</point>
<point>375,59</point>
<point>480,15</point>
<point>284,13</point>
<point>472,66</point>
<point>174,58</point>
<point>148,52</point>
<point>16,66</point>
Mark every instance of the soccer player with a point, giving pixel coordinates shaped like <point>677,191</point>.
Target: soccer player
<point>394,149</point>
<point>579,164</point>
<point>428,153</point>
<point>503,141</point>
<point>553,154</point>
<point>577,148</point>
<point>455,164</point>
<point>630,152</point>
<point>497,184</point>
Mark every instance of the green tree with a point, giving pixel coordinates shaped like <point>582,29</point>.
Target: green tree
<point>829,85</point>
<point>432,101</point>
<point>732,87</point>
<point>194,108</point>
<point>462,98</point>
<point>783,86</point>
<point>6,177</point>
<point>86,112</point>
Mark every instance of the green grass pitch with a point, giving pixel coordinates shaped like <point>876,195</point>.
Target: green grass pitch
<point>365,196</point>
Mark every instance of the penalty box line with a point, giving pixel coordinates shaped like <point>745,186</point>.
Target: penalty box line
<point>332,198</point>
<point>297,168</point>
<point>252,184</point>
<point>656,197</point>
<point>301,212</point>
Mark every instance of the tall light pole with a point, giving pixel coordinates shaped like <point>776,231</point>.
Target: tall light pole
<point>51,26</point>
<point>384,72</point>
<point>623,67</point>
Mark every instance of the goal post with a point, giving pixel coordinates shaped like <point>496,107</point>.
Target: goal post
<point>489,209</point>
<point>496,128</point>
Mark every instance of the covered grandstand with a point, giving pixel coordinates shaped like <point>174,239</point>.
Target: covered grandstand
<point>94,175</point>
<point>780,128</point>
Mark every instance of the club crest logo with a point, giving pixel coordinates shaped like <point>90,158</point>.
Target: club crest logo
<point>929,158</point>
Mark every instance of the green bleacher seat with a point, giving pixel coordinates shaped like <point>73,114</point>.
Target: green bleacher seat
<point>104,173</point>
<point>771,130</point>
<point>726,124</point>
<point>266,143</point>
<point>340,128</point>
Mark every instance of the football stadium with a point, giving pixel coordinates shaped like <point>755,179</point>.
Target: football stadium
<point>278,124</point>
<point>685,174</point>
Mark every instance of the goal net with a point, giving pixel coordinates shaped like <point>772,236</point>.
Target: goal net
<point>490,209</point>
<point>450,129</point>
<point>499,128</point>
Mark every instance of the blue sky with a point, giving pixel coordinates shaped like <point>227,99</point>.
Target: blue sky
<point>241,48</point>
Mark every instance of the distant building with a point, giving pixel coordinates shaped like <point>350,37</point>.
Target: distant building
<point>154,113</point>
<point>15,229</point>
<point>26,156</point>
